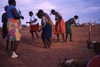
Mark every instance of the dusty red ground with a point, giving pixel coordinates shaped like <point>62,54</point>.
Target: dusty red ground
<point>32,54</point>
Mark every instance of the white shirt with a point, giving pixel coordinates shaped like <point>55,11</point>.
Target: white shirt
<point>32,19</point>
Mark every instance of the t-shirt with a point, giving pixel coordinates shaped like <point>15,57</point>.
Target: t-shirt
<point>31,20</point>
<point>9,12</point>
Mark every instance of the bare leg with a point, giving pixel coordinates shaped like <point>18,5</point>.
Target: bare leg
<point>37,35</point>
<point>50,41</point>
<point>15,45</point>
<point>63,36</point>
<point>71,37</point>
<point>47,42</point>
<point>66,37</point>
<point>32,34</point>
<point>57,37</point>
<point>7,47</point>
<point>12,45</point>
<point>44,42</point>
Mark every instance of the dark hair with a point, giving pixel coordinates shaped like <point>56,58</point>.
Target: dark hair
<point>5,8</point>
<point>53,11</point>
<point>30,12</point>
<point>40,11</point>
<point>11,1</point>
<point>39,14</point>
<point>76,17</point>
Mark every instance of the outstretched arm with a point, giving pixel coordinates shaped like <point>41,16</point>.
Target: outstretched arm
<point>32,21</point>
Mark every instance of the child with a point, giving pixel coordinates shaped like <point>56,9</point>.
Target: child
<point>34,26</point>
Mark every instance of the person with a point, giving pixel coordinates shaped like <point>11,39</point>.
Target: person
<point>50,21</point>
<point>46,30</point>
<point>4,27</point>
<point>68,27</point>
<point>60,24</point>
<point>34,26</point>
<point>95,61</point>
<point>13,26</point>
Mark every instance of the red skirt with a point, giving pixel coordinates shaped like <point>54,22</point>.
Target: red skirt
<point>34,28</point>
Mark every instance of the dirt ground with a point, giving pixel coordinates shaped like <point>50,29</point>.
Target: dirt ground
<point>32,54</point>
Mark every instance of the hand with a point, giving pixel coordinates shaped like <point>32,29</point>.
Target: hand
<point>27,22</point>
<point>35,19</point>
<point>22,17</point>
<point>76,25</point>
<point>39,30</point>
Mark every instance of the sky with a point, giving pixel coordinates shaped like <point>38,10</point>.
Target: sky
<point>87,10</point>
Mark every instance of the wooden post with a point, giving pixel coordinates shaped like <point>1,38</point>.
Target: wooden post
<point>89,31</point>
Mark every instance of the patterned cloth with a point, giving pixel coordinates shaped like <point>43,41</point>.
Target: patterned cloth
<point>60,27</point>
<point>13,27</point>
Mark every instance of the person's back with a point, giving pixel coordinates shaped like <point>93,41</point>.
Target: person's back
<point>9,12</point>
<point>4,18</point>
<point>45,14</point>
<point>4,21</point>
<point>71,21</point>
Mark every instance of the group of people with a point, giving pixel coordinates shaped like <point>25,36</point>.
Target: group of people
<point>48,27</point>
<point>11,30</point>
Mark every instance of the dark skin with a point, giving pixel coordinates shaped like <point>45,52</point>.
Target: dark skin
<point>4,21</point>
<point>70,33</point>
<point>14,44</point>
<point>32,33</point>
<point>46,42</point>
<point>57,22</point>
